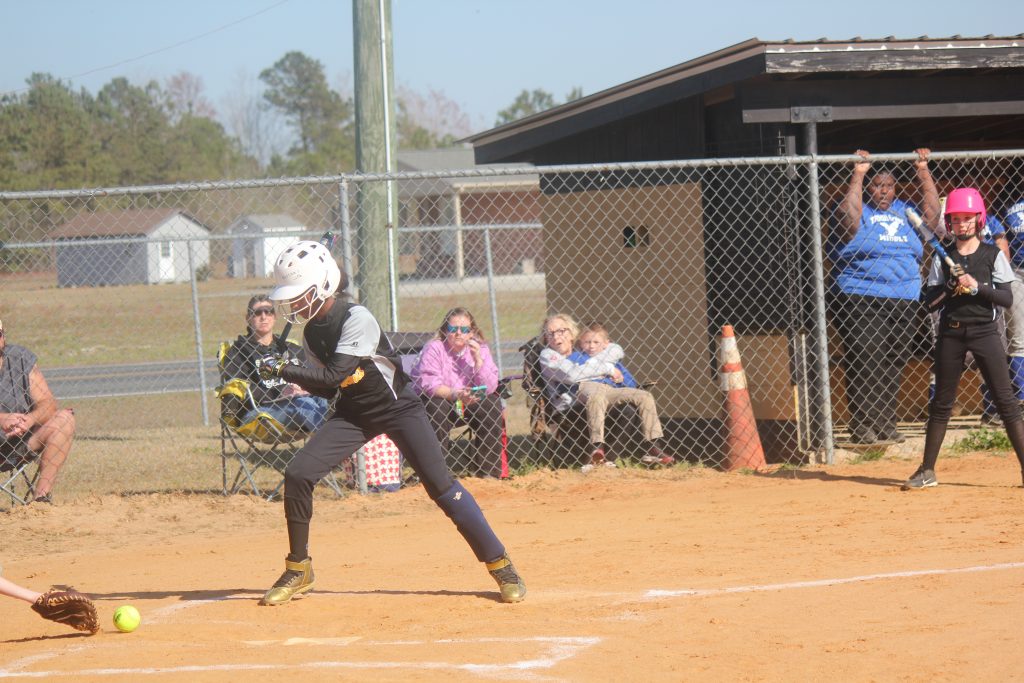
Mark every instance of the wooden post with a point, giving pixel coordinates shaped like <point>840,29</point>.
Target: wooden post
<point>372,277</point>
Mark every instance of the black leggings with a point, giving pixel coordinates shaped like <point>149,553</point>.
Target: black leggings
<point>405,422</point>
<point>984,342</point>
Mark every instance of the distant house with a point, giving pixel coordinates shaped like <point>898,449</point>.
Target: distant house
<point>460,208</point>
<point>259,238</point>
<point>134,246</point>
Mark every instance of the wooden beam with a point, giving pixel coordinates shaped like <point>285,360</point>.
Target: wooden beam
<point>832,61</point>
<point>851,98</point>
<point>901,111</point>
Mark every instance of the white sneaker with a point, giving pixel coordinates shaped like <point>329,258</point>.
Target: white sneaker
<point>587,468</point>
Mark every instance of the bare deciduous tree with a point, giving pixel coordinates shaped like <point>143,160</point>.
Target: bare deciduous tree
<point>258,127</point>
<point>431,120</point>
<point>185,97</point>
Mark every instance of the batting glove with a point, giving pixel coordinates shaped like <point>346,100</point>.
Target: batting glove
<point>956,270</point>
<point>271,366</point>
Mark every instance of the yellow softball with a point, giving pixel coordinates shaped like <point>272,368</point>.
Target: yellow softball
<point>127,618</point>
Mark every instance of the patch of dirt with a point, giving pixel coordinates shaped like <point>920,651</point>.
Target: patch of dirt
<point>798,574</point>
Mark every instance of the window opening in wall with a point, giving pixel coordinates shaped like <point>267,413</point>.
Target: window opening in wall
<point>638,236</point>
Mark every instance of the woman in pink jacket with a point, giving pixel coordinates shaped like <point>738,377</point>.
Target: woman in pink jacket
<point>456,377</point>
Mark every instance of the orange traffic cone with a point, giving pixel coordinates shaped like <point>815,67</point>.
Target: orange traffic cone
<point>743,445</point>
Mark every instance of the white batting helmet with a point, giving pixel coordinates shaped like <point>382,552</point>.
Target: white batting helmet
<point>304,268</point>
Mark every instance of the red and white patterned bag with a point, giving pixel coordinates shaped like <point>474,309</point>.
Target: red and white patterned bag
<point>383,463</point>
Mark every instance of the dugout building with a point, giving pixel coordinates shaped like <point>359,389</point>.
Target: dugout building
<point>754,99</point>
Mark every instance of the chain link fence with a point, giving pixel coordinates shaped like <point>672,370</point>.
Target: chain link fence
<point>126,296</point>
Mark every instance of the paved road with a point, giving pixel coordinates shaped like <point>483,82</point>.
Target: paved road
<point>96,381</point>
<point>128,379</point>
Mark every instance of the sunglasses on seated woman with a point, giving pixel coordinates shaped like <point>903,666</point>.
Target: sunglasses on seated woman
<point>464,329</point>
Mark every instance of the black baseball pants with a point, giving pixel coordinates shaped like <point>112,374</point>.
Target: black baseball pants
<point>984,341</point>
<point>405,422</point>
<point>876,333</point>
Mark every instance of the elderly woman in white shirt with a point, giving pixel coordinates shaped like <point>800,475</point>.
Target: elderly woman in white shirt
<point>562,375</point>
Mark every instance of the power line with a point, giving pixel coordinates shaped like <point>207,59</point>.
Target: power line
<point>162,49</point>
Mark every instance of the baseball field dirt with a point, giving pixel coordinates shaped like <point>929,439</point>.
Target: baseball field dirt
<point>819,573</point>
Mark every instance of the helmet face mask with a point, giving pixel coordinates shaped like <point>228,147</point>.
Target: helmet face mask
<point>306,276</point>
<point>964,226</point>
<point>300,308</point>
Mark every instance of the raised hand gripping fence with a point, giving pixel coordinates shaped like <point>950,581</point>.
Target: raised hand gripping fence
<point>124,293</point>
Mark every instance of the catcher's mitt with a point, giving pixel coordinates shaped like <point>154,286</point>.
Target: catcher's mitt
<point>68,607</point>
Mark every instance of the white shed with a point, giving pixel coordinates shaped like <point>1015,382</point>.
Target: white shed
<point>259,238</point>
<point>130,247</point>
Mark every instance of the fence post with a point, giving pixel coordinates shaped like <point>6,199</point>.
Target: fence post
<point>460,251</point>
<point>824,390</point>
<point>345,225</point>
<point>199,333</point>
<point>361,471</point>
<point>392,229</point>
<point>493,299</point>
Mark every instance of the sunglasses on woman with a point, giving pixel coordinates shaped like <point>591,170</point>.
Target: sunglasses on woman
<point>464,329</point>
<point>257,312</point>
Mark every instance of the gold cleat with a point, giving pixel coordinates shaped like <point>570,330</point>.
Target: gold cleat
<point>297,579</point>
<point>509,582</point>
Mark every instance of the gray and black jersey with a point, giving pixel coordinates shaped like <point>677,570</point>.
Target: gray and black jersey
<point>348,354</point>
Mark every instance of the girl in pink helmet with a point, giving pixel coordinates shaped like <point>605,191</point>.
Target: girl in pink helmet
<point>967,292</point>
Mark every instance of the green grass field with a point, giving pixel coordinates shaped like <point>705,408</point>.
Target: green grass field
<point>141,323</point>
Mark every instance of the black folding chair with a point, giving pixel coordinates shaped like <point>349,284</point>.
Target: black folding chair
<point>256,442</point>
<point>17,479</point>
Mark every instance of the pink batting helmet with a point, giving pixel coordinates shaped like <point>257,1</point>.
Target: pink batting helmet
<point>965,200</point>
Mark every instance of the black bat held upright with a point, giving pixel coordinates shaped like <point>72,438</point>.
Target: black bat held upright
<point>282,341</point>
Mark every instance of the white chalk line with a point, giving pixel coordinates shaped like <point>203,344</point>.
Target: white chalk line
<point>287,642</point>
<point>558,649</point>
<point>703,592</point>
<point>43,656</point>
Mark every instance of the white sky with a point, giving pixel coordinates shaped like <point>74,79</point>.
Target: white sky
<point>479,53</point>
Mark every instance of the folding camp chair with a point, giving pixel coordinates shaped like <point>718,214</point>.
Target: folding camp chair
<point>462,440</point>
<point>566,432</point>
<point>260,445</point>
<point>16,477</point>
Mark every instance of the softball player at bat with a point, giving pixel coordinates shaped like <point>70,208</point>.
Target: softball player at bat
<point>967,294</point>
<point>351,360</point>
